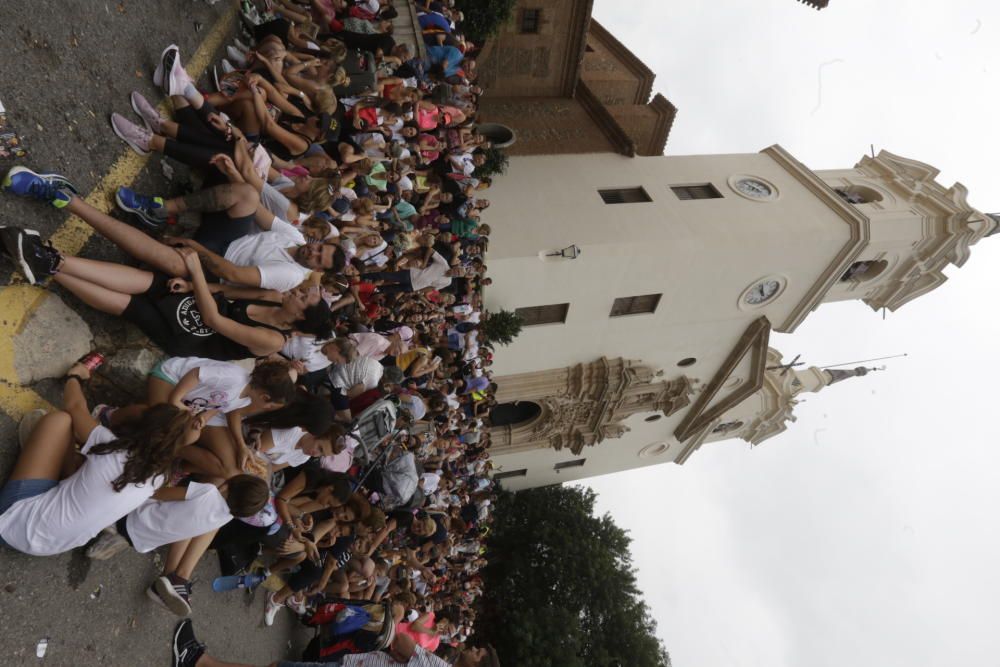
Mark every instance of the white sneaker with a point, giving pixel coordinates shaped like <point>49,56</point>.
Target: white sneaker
<point>240,45</point>
<point>271,611</point>
<point>235,57</point>
<point>174,597</point>
<point>158,72</point>
<point>227,66</point>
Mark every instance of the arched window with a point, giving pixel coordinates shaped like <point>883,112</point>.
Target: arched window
<point>858,194</point>
<point>512,414</point>
<point>865,270</point>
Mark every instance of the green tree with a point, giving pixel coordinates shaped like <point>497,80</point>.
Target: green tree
<point>496,163</point>
<point>502,327</point>
<point>560,587</point>
<point>484,18</point>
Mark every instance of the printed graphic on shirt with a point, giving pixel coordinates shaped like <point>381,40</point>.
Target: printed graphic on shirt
<point>214,401</point>
<point>189,318</point>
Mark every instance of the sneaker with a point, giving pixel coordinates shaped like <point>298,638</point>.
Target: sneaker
<point>135,136</point>
<point>187,648</point>
<point>52,188</point>
<point>241,45</point>
<point>175,78</point>
<point>215,78</point>
<point>236,57</point>
<point>150,116</point>
<point>227,67</point>
<point>271,611</point>
<point>297,604</point>
<point>145,208</point>
<point>158,72</point>
<point>108,544</point>
<point>35,259</point>
<point>27,425</point>
<point>175,597</point>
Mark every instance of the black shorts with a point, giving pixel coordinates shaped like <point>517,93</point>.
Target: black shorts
<point>218,230</point>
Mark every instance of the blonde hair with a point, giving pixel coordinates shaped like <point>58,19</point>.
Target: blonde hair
<point>317,196</point>
<point>338,77</point>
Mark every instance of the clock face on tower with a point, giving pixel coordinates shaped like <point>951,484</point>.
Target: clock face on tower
<point>761,292</point>
<point>751,187</point>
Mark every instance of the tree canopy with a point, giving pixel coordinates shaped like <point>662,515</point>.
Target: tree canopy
<point>560,586</point>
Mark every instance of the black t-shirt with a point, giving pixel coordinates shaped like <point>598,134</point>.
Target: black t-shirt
<point>440,535</point>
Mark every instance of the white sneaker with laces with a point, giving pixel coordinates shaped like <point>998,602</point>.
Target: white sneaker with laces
<point>271,611</point>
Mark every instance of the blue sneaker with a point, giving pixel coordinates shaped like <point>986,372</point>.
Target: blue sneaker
<point>52,188</point>
<point>151,210</point>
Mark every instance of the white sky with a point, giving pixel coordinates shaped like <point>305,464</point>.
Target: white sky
<point>867,534</point>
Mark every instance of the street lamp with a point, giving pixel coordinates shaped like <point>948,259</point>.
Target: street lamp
<point>569,252</point>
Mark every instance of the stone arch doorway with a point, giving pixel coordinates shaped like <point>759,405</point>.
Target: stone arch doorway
<point>514,413</point>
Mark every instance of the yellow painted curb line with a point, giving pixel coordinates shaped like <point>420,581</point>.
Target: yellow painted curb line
<point>18,302</point>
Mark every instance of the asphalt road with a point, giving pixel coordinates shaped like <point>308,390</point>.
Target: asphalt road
<point>65,65</point>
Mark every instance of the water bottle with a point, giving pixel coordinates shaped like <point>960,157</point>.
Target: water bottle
<point>251,580</point>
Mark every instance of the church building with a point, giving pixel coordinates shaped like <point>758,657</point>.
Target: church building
<point>649,284</point>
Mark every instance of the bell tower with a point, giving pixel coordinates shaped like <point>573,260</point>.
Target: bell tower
<point>917,228</point>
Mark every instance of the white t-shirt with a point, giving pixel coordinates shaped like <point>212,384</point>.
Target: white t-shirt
<point>363,370</point>
<point>431,275</point>
<point>74,512</point>
<point>159,522</point>
<point>267,251</point>
<point>220,384</point>
<point>308,350</point>
<point>284,450</point>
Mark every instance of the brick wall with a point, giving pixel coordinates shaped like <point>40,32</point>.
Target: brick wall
<point>545,125</point>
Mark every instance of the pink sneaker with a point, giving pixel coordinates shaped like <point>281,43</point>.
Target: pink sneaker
<point>135,136</point>
<point>150,116</point>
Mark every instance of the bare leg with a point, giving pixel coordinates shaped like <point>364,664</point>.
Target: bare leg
<point>196,548</point>
<point>218,441</point>
<point>48,447</point>
<point>174,555</point>
<point>236,199</point>
<point>157,390</point>
<point>95,296</point>
<point>133,241</point>
<point>115,277</point>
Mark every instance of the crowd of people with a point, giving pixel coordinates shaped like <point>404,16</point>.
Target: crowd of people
<point>334,279</point>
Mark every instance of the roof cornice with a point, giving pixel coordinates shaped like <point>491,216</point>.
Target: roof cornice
<point>632,61</point>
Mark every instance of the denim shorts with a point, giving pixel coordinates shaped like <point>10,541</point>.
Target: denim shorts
<point>20,489</point>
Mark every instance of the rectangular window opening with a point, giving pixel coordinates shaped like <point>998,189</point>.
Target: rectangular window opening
<point>625,196</point>
<point>531,19</point>
<point>575,463</point>
<point>523,472</point>
<point>699,191</point>
<point>551,314</point>
<point>635,305</point>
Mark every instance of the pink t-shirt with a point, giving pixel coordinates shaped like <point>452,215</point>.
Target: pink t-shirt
<point>428,642</point>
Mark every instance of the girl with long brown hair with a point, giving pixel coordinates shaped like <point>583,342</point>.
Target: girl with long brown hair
<point>56,499</point>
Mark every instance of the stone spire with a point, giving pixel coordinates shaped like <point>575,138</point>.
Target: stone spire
<point>838,374</point>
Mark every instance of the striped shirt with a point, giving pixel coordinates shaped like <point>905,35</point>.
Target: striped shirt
<point>421,658</point>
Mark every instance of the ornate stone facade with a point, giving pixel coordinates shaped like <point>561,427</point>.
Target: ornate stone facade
<point>583,405</point>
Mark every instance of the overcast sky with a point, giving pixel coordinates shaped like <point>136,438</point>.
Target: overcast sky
<point>867,534</point>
